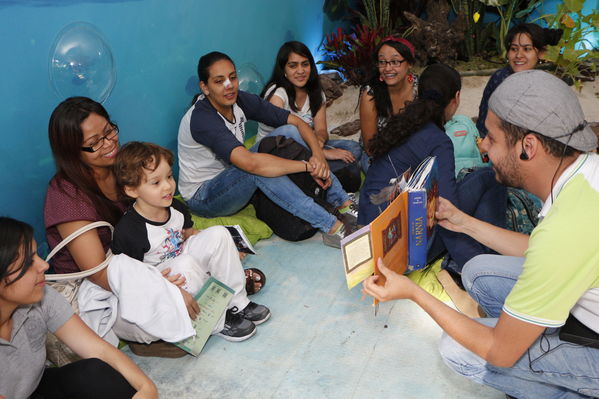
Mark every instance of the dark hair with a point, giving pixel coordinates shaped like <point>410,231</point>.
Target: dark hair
<point>206,62</point>
<point>278,79</point>
<point>133,158</point>
<point>66,139</point>
<point>382,101</point>
<point>14,236</point>
<point>437,86</point>
<point>515,134</point>
<point>540,37</point>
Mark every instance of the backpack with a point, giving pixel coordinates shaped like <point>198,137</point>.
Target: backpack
<point>348,175</point>
<point>522,213</point>
<point>464,134</point>
<point>283,223</point>
<point>522,210</point>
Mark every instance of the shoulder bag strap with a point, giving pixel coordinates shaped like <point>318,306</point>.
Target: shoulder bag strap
<point>66,241</point>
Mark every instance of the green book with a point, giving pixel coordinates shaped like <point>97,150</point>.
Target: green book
<point>213,298</point>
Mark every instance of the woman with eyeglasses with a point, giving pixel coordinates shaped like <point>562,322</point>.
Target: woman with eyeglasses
<point>84,143</point>
<point>416,133</point>
<point>392,85</point>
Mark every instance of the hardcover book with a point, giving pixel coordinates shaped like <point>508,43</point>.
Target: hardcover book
<point>423,192</point>
<point>400,234</point>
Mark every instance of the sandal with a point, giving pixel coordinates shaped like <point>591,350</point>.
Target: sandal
<point>255,280</point>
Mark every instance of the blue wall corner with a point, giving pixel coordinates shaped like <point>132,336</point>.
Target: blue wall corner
<point>155,44</point>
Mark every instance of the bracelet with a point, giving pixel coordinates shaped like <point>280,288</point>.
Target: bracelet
<point>306,163</point>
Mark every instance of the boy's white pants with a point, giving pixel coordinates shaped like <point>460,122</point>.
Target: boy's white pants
<point>211,252</point>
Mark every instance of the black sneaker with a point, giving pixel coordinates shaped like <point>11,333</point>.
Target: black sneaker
<point>236,328</point>
<point>253,312</point>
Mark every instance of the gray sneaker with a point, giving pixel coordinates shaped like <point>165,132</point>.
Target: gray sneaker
<point>236,328</point>
<point>334,240</point>
<point>253,312</point>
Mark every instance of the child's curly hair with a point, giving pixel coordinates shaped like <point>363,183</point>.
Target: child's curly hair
<point>135,157</point>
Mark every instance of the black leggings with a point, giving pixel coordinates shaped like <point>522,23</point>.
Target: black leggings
<point>88,378</point>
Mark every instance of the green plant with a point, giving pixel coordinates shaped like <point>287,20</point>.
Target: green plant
<point>473,11</point>
<point>387,15</point>
<point>508,10</point>
<point>351,53</point>
<point>569,55</point>
<point>377,15</point>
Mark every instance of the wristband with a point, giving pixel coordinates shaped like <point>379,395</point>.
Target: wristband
<point>306,163</point>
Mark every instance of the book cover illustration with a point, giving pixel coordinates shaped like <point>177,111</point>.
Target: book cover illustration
<point>390,241</point>
<point>213,299</point>
<point>401,233</point>
<point>383,238</point>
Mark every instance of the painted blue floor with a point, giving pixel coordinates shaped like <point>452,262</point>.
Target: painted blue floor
<point>322,341</point>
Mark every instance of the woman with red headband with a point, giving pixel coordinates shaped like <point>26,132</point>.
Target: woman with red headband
<point>392,84</point>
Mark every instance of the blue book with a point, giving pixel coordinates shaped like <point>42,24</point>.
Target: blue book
<point>417,238</point>
<point>423,191</point>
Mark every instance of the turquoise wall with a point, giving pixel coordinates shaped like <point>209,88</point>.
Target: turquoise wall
<point>155,44</point>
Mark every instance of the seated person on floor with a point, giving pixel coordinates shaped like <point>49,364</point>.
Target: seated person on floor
<point>85,143</point>
<point>28,311</point>
<point>157,229</point>
<point>411,136</point>
<point>526,45</point>
<point>392,84</point>
<point>218,175</point>
<point>537,140</point>
<point>295,86</point>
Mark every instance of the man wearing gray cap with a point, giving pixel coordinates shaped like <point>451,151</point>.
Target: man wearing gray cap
<point>538,140</point>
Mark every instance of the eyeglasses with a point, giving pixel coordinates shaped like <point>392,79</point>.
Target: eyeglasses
<point>96,145</point>
<point>393,63</point>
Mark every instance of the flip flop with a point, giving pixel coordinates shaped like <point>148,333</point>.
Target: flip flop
<point>254,277</point>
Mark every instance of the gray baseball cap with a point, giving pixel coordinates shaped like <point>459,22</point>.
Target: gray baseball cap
<point>540,102</point>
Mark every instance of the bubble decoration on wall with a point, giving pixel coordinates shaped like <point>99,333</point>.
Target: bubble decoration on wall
<point>81,63</point>
<point>249,78</point>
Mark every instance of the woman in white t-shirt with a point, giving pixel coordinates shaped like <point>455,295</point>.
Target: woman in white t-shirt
<point>294,85</point>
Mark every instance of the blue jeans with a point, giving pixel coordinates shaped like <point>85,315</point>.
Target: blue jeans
<point>551,368</point>
<point>479,195</point>
<point>290,131</point>
<point>232,189</point>
<point>490,278</point>
<point>348,145</point>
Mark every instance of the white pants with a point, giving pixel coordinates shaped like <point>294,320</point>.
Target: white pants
<point>211,252</point>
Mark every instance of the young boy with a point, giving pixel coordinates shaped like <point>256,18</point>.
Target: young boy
<point>158,230</point>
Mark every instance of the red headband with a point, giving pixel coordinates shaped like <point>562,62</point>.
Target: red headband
<point>401,40</point>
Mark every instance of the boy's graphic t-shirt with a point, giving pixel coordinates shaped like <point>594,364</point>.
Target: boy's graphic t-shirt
<point>148,241</point>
